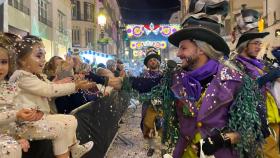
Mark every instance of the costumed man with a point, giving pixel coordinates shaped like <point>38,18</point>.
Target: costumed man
<point>151,116</point>
<point>212,108</point>
<point>214,104</point>
<point>208,92</point>
<point>248,47</point>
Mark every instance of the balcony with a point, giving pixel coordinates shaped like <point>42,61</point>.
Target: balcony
<point>81,17</point>
<point>45,21</point>
<point>19,6</point>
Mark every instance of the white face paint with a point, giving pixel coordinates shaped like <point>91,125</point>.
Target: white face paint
<point>35,61</point>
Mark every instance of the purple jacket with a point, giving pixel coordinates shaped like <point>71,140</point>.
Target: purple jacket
<point>213,112</point>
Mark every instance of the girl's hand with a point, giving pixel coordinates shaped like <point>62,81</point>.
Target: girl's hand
<point>39,115</point>
<point>24,144</point>
<point>26,114</point>
<point>79,76</point>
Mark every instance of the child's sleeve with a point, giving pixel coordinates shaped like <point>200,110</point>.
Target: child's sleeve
<point>34,85</point>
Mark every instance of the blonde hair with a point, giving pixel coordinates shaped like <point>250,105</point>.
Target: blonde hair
<point>209,50</point>
<point>214,54</point>
<point>242,46</point>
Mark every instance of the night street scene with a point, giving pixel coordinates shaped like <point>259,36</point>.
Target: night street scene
<point>139,78</point>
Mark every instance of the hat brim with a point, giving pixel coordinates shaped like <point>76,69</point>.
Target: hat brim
<point>250,36</point>
<point>202,34</point>
<point>150,57</point>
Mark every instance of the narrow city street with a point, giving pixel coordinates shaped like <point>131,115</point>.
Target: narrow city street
<point>75,73</point>
<point>136,147</point>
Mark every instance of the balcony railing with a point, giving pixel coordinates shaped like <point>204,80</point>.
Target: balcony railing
<point>19,6</point>
<point>45,21</point>
<point>82,18</point>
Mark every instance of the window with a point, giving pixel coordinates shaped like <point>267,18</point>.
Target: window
<point>43,8</point>
<point>89,37</point>
<point>76,37</point>
<point>88,11</point>
<point>43,11</point>
<point>76,15</point>
<point>18,4</point>
<point>74,10</point>
<point>61,22</point>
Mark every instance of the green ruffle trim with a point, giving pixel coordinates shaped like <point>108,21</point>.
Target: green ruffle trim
<point>163,94</point>
<point>245,119</point>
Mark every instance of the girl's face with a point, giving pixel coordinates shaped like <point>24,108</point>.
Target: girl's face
<point>34,62</point>
<point>4,64</point>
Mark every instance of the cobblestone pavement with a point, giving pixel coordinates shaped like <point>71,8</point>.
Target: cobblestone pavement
<point>130,128</point>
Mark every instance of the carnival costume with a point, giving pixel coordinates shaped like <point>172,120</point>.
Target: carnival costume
<point>258,71</point>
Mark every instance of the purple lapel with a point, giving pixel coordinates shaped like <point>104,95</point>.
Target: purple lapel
<point>220,91</point>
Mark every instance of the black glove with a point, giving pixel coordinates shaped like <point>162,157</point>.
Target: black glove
<point>276,53</point>
<point>269,77</point>
<point>214,143</point>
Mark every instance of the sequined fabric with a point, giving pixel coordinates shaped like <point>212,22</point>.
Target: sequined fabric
<point>8,110</point>
<point>9,147</point>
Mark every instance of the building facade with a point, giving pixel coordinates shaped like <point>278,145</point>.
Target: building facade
<point>84,24</point>
<point>87,34</point>
<point>48,19</point>
<point>113,27</point>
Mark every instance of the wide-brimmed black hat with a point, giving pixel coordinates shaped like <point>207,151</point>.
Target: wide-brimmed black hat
<point>151,52</point>
<point>198,29</point>
<point>203,20</point>
<point>209,7</point>
<point>250,36</point>
<point>250,15</point>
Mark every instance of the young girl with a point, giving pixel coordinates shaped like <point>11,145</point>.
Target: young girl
<point>9,147</point>
<point>34,92</point>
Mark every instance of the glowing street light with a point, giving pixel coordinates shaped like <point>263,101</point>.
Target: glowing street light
<point>101,20</point>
